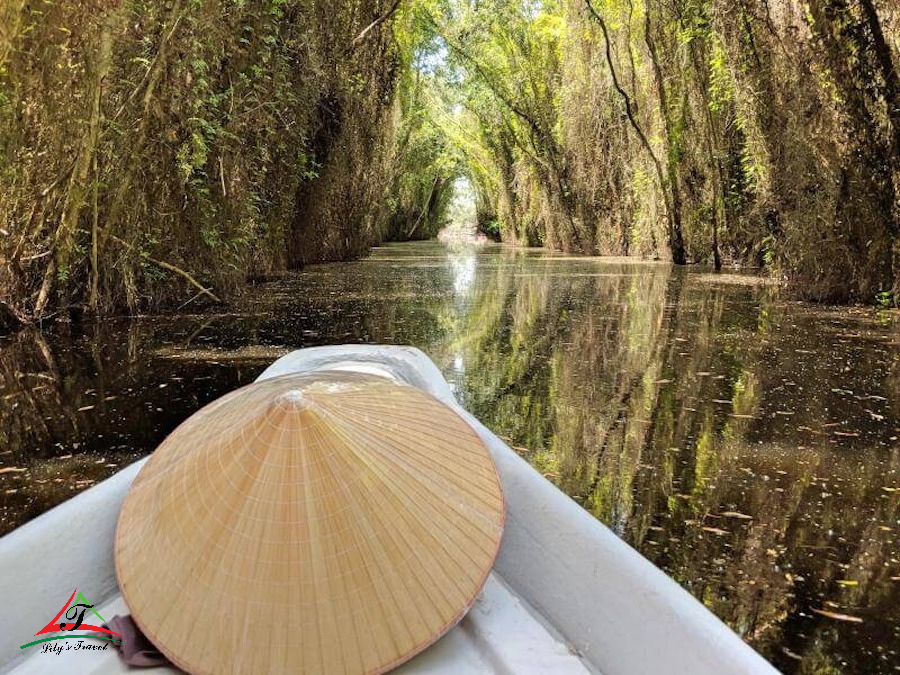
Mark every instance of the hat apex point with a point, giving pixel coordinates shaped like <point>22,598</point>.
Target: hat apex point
<point>293,399</point>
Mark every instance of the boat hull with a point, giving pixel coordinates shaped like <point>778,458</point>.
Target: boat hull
<point>607,606</point>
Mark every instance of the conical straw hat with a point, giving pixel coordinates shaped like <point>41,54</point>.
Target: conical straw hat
<point>327,523</point>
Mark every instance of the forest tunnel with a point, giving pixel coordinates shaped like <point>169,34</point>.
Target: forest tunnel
<point>212,143</point>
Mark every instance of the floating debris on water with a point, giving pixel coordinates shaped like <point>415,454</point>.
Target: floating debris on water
<point>837,616</point>
<point>715,530</point>
<point>665,408</point>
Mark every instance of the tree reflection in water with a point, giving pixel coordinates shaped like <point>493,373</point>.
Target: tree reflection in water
<point>746,445</point>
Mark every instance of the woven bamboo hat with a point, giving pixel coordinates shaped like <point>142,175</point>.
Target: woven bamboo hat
<point>327,523</point>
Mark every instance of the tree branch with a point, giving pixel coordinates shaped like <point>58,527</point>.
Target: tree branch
<point>172,268</point>
<point>629,106</point>
<point>377,22</point>
<point>191,280</point>
<point>629,111</point>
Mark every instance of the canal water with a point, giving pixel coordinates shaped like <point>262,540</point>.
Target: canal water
<point>746,444</point>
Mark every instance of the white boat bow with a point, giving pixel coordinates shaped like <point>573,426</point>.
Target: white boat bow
<point>566,594</point>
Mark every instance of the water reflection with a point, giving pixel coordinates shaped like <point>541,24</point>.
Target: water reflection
<point>462,267</point>
<point>746,445</point>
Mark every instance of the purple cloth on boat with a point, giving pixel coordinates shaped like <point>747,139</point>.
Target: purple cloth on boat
<point>135,649</point>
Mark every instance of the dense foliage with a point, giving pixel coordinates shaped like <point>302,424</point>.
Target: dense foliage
<point>696,130</point>
<point>195,141</point>
<point>153,151</point>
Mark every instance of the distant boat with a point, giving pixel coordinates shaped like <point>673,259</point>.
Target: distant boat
<point>566,595</point>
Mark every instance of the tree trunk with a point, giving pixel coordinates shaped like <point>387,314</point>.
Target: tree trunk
<point>676,237</point>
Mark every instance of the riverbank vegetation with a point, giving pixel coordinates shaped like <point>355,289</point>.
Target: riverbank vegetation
<point>763,133</point>
<point>155,154</point>
<point>154,151</point>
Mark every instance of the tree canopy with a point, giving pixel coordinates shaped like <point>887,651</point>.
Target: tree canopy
<point>212,141</point>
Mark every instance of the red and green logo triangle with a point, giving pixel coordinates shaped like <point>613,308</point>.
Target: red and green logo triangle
<point>75,614</point>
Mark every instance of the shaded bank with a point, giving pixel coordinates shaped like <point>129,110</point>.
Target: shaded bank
<point>149,151</point>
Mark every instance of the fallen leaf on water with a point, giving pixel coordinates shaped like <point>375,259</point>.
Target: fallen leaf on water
<point>847,582</point>
<point>737,514</point>
<point>837,616</point>
<point>85,407</point>
<point>715,530</point>
<point>791,654</point>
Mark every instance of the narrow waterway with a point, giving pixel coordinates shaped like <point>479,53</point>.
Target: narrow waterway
<point>746,444</point>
